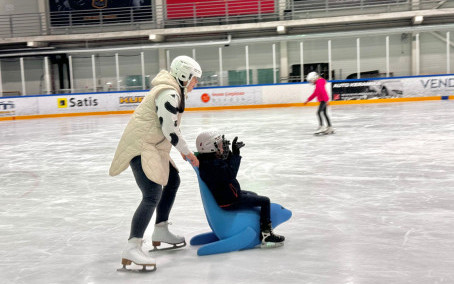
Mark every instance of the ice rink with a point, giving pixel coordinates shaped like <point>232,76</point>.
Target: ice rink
<point>373,203</point>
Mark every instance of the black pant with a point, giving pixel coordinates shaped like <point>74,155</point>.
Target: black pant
<point>248,200</point>
<point>322,108</point>
<point>152,194</point>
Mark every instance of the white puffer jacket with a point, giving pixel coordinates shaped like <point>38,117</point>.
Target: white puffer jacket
<point>143,135</point>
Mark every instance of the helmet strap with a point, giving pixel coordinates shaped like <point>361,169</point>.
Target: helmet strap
<point>180,83</point>
<point>183,100</point>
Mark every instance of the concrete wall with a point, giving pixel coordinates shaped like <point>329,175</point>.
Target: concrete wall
<point>344,61</point>
<point>433,53</point>
<point>9,7</point>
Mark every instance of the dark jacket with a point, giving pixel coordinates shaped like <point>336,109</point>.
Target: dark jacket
<point>220,177</point>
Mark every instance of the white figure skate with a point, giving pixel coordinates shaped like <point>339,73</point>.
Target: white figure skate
<point>328,130</point>
<point>320,130</point>
<point>161,234</point>
<point>324,131</point>
<point>133,253</point>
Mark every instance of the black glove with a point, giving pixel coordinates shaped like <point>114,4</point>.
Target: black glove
<point>236,146</point>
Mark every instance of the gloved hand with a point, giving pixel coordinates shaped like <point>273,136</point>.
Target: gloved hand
<point>236,146</point>
<point>192,158</point>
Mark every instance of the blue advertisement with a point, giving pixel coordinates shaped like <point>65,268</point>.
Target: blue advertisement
<point>96,12</point>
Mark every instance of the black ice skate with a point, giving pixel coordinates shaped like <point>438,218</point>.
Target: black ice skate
<point>269,239</point>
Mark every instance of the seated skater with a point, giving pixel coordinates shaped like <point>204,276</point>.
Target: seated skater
<point>218,169</point>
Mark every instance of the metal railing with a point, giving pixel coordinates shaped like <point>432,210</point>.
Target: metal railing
<point>195,13</point>
<point>316,9</point>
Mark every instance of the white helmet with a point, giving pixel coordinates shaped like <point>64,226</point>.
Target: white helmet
<point>211,141</point>
<point>312,77</point>
<point>183,68</point>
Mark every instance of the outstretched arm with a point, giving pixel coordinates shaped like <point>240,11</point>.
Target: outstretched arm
<point>167,110</point>
<point>312,96</point>
<point>318,89</point>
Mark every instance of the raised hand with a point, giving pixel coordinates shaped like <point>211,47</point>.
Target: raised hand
<point>236,146</point>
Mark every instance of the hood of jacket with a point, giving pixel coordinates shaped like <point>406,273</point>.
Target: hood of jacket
<point>164,77</point>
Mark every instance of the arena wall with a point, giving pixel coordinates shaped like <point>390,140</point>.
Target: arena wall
<point>377,90</point>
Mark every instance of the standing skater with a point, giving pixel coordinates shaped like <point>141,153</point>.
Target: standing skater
<point>145,146</point>
<point>323,98</point>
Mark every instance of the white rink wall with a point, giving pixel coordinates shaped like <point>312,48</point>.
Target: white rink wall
<point>400,89</point>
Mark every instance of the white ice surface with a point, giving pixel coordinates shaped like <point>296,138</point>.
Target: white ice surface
<point>373,203</point>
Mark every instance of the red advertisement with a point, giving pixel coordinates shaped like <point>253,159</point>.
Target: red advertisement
<point>181,9</point>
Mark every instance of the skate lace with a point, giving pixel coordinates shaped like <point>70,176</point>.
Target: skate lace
<point>265,236</point>
<point>141,247</point>
<point>177,236</point>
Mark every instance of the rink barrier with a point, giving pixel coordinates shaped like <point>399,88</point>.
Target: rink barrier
<point>53,115</point>
<point>390,100</point>
<point>355,91</point>
<point>239,107</point>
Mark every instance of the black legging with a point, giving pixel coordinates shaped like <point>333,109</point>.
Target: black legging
<point>322,108</point>
<point>249,199</point>
<point>152,194</point>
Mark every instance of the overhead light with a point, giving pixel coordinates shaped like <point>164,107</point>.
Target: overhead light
<point>36,44</point>
<point>280,29</point>
<point>417,20</point>
<point>156,38</point>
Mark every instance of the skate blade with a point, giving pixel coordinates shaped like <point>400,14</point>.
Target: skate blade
<point>271,245</point>
<point>143,270</point>
<point>323,133</point>
<point>174,246</point>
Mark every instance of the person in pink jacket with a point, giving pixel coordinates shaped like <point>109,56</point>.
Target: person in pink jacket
<point>323,98</point>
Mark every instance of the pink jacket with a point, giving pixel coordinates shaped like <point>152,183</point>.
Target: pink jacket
<point>320,91</point>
